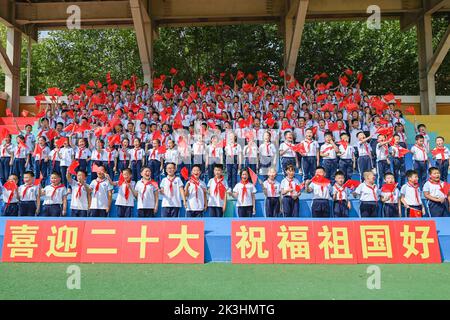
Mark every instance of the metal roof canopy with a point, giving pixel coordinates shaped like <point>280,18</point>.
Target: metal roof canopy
<point>146,16</point>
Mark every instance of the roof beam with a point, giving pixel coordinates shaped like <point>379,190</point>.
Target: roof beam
<point>439,54</point>
<point>408,20</point>
<point>294,38</point>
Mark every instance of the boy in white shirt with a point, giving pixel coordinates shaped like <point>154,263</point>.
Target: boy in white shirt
<point>341,203</point>
<point>390,197</point>
<point>272,191</point>
<point>311,159</point>
<point>364,153</point>
<point>172,192</point>
<point>267,155</point>
<point>287,155</point>
<point>102,191</point>
<point>66,155</point>
<point>29,196</point>
<point>217,189</point>
<point>155,160</point>
<point>368,194</point>
<point>291,191</point>
<point>244,192</point>
<point>436,192</point>
<point>328,152</point>
<point>420,159</point>
<point>195,193</point>
<point>81,194</point>
<point>125,195</point>
<point>11,197</point>
<point>410,195</point>
<point>346,156</point>
<point>55,202</point>
<point>320,187</point>
<point>441,154</point>
<point>146,193</point>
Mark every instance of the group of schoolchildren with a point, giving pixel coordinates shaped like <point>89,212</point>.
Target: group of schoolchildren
<point>181,152</point>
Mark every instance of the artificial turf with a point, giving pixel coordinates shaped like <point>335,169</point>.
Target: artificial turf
<point>223,281</point>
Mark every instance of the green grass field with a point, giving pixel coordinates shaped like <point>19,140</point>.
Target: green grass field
<point>223,281</point>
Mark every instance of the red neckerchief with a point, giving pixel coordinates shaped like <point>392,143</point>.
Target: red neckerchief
<point>219,186</point>
<point>171,185</point>
<point>80,152</point>
<point>386,149</point>
<point>308,145</point>
<point>135,153</point>
<point>124,153</point>
<point>416,191</point>
<point>56,188</point>
<point>4,148</point>
<point>196,183</point>
<point>441,152</point>
<point>145,187</point>
<point>344,145</point>
<point>272,187</point>
<point>213,153</point>
<point>78,194</point>
<point>340,191</point>
<point>127,190</point>
<point>109,155</point>
<point>142,136</point>
<point>373,191</point>
<point>232,149</point>
<point>24,193</point>
<point>19,148</point>
<point>366,146</point>
<point>97,186</point>
<point>11,195</point>
<point>153,154</point>
<point>98,154</point>
<point>441,186</point>
<point>268,149</point>
<point>244,189</point>
<point>54,158</point>
<point>425,157</point>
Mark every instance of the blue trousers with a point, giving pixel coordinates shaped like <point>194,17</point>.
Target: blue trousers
<point>398,165</point>
<point>245,212</point>
<point>320,208</point>
<point>63,175</point>
<point>52,210</point>
<point>98,213</point>
<point>146,213</point>
<point>11,210</point>
<point>232,173</point>
<point>442,165</point>
<point>5,169</point>
<point>41,167</point>
<point>390,210</point>
<point>438,209</point>
<point>170,212</point>
<point>346,166</point>
<point>124,211</point>
<point>340,209</point>
<point>155,167</point>
<point>194,214</point>
<point>78,213</point>
<point>136,166</point>
<point>364,164</point>
<point>19,168</point>
<point>27,208</point>
<point>330,166</point>
<point>382,168</point>
<point>83,164</point>
<point>286,161</point>
<point>309,165</point>
<point>290,207</point>
<point>215,212</point>
<point>272,207</point>
<point>368,209</point>
<point>421,167</point>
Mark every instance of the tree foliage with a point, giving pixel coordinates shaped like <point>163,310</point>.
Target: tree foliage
<point>387,57</point>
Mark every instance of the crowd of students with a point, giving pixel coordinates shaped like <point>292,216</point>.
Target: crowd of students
<point>196,146</point>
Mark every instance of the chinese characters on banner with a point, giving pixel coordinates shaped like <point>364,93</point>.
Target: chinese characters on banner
<point>326,242</point>
<point>104,241</point>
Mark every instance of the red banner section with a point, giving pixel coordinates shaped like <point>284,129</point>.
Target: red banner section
<point>327,242</point>
<point>104,241</point>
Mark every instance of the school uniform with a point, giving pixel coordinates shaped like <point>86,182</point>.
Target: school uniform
<point>11,208</point>
<point>41,165</point>
<point>251,156</point>
<point>383,166</point>
<point>272,203</point>
<point>30,141</point>
<point>79,206</point>
<point>390,206</point>
<point>320,207</point>
<point>108,159</point>
<point>199,152</point>
<point>20,157</point>
<point>290,205</point>
<point>28,196</point>
<point>146,199</point>
<point>364,157</point>
<point>99,197</point>
<point>437,189</point>
<point>340,208</point>
<point>171,197</point>
<point>154,162</point>
<point>309,161</point>
<point>215,202</point>
<point>215,156</point>
<point>442,162</point>
<point>172,156</point>
<point>329,162</point>
<point>289,157</point>
<point>123,159</point>
<point>82,155</point>
<point>412,197</point>
<point>244,201</point>
<point>185,160</point>
<point>267,152</point>
<point>5,158</point>
<point>196,199</point>
<point>420,162</point>
<point>55,161</point>
<point>53,200</point>
<point>345,165</point>
<point>136,156</point>
<point>125,200</point>
<point>398,164</point>
<point>368,197</point>
<point>232,152</point>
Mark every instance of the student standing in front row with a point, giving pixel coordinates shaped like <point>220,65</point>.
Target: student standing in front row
<point>390,197</point>
<point>341,203</point>
<point>320,207</point>
<point>102,191</point>
<point>195,193</point>
<point>441,154</point>
<point>81,194</point>
<point>410,194</point>
<point>55,202</point>
<point>11,198</point>
<point>125,195</point>
<point>217,186</point>
<point>272,191</point>
<point>172,192</point>
<point>146,192</point>
<point>420,159</point>
<point>244,192</point>
<point>29,196</point>
<point>368,194</point>
<point>290,190</point>
<point>436,192</point>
